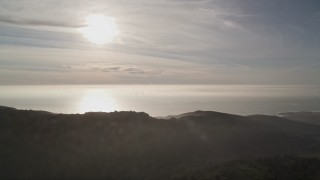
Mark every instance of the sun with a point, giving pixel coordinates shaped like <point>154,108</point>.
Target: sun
<point>100,29</point>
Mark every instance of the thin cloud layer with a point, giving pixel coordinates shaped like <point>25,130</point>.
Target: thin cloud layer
<point>36,22</point>
<point>225,41</point>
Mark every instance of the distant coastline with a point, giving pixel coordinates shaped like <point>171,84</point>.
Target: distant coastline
<point>163,100</point>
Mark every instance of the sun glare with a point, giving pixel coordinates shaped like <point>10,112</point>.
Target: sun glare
<point>100,29</point>
<point>97,100</point>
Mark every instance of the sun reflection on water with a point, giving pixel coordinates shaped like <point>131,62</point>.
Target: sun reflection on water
<point>97,100</point>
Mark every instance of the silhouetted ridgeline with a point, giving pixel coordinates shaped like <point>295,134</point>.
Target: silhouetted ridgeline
<point>119,145</point>
<point>307,117</point>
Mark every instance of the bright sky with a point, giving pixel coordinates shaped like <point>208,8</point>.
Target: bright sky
<point>159,42</point>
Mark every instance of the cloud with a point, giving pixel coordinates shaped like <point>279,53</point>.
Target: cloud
<point>32,68</point>
<point>37,22</point>
<point>113,68</point>
<point>166,40</point>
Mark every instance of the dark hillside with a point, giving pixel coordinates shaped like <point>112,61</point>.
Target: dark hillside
<point>275,168</point>
<point>120,145</point>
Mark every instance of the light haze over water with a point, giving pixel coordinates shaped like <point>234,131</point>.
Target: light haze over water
<point>162,100</point>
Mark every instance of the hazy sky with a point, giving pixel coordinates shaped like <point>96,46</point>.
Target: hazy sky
<point>162,42</point>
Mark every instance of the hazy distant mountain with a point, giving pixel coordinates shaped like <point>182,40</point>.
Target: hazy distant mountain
<point>118,145</point>
<point>195,113</point>
<point>307,117</point>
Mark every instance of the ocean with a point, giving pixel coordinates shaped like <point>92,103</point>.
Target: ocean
<point>163,100</point>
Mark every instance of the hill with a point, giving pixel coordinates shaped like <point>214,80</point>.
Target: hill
<point>120,145</point>
<point>273,168</point>
<point>306,117</point>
